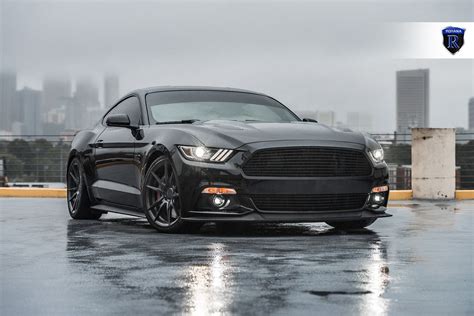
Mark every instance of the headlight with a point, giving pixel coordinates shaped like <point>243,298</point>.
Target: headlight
<point>377,155</point>
<point>206,154</point>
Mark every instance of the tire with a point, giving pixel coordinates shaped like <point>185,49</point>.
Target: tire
<point>350,225</point>
<point>161,199</point>
<point>78,200</point>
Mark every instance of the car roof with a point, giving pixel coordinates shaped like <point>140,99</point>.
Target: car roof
<point>145,91</point>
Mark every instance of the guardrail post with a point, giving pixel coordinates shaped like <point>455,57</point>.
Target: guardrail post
<point>433,163</point>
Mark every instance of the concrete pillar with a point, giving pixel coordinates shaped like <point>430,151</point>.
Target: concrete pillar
<point>433,174</point>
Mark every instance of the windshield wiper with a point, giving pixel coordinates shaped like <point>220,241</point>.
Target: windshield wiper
<point>191,121</point>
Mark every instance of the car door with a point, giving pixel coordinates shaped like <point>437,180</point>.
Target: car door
<point>116,172</point>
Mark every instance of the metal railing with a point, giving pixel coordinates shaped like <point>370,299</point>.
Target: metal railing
<point>27,159</point>
<point>397,149</point>
<point>465,160</point>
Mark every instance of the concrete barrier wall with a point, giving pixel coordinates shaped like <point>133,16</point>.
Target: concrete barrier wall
<point>433,154</point>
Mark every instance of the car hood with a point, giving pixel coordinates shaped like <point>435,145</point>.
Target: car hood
<point>233,134</point>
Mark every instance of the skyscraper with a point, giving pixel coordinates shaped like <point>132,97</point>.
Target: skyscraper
<point>29,101</point>
<point>9,111</point>
<point>111,90</point>
<point>413,88</point>
<point>56,92</point>
<point>471,113</point>
<point>85,100</point>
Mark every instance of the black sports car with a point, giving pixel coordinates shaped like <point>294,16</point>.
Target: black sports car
<point>183,156</point>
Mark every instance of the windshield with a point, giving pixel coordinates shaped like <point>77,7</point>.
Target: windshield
<point>187,106</point>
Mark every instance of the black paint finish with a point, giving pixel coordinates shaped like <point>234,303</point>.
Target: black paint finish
<point>115,161</point>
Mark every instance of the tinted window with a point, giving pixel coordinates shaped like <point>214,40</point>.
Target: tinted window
<point>215,105</point>
<point>131,107</point>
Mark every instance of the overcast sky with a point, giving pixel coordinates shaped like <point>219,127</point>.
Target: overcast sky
<point>318,55</point>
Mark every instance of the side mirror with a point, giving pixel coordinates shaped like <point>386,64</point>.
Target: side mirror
<point>118,120</point>
<point>310,120</point>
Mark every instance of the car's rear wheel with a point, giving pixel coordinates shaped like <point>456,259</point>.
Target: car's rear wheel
<point>161,198</point>
<point>350,225</point>
<point>77,198</point>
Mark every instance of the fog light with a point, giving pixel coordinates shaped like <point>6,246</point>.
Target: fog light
<point>378,198</point>
<point>219,201</point>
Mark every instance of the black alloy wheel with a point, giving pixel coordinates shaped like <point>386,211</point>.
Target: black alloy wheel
<point>161,197</point>
<point>77,198</point>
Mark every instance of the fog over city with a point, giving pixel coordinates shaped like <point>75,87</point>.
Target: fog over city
<point>311,55</point>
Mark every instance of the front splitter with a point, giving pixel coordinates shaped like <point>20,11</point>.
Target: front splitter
<point>296,217</point>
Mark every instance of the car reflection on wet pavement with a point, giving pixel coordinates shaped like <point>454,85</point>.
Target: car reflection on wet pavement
<point>419,261</point>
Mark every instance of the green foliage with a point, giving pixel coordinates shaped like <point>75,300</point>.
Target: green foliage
<point>38,160</point>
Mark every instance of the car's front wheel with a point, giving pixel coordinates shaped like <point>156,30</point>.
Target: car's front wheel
<point>78,201</point>
<point>349,225</point>
<point>161,198</point>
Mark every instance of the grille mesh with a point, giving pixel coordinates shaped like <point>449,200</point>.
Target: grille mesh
<point>308,162</point>
<point>309,202</point>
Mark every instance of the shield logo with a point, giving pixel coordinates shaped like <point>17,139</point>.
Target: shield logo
<point>453,38</point>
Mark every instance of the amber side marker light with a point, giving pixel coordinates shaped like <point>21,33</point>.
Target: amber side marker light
<point>380,189</point>
<point>214,190</point>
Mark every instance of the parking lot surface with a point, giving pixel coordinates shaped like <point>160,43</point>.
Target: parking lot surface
<point>420,261</point>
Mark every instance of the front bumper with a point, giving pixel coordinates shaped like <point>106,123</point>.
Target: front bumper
<point>193,177</point>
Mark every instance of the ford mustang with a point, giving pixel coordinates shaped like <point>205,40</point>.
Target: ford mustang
<point>184,156</point>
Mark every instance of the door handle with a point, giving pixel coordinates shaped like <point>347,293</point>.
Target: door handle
<point>99,143</point>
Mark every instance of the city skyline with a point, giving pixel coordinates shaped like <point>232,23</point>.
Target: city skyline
<point>295,61</point>
<point>61,105</point>
<point>69,103</point>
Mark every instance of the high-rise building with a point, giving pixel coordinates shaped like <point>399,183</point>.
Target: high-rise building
<point>56,92</point>
<point>85,100</point>
<point>9,111</point>
<point>87,92</point>
<point>471,113</point>
<point>413,89</point>
<point>29,101</point>
<point>359,121</point>
<point>111,90</point>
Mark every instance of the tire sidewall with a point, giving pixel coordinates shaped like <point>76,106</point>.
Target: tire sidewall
<point>72,212</point>
<point>179,224</point>
<point>83,210</point>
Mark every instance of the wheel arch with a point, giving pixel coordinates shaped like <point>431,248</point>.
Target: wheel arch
<point>72,154</point>
<point>154,153</point>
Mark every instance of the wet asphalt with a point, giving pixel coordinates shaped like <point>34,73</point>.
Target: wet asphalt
<point>420,261</point>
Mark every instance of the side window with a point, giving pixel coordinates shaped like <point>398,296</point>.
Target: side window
<point>131,107</point>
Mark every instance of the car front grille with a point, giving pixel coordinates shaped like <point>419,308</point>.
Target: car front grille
<point>308,162</point>
<point>309,202</point>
